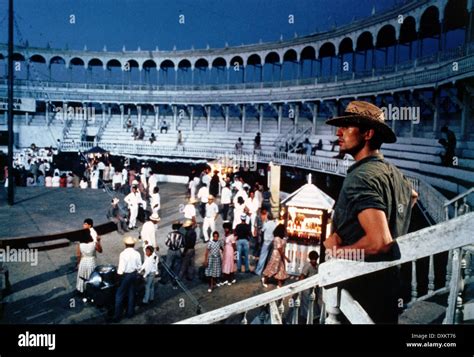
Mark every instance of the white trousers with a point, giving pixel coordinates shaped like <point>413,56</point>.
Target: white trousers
<point>133,216</point>
<point>208,223</point>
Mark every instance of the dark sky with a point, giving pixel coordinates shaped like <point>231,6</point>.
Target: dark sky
<point>151,23</point>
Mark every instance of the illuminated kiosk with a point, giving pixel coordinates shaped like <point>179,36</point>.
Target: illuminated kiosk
<point>306,214</point>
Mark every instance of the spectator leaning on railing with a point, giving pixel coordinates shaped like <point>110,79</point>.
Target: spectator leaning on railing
<point>373,209</point>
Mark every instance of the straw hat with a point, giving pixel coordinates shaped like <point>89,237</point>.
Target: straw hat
<point>155,217</point>
<point>187,223</point>
<point>129,240</point>
<point>359,113</point>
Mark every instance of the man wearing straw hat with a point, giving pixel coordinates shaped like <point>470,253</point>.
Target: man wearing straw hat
<point>373,209</point>
<point>129,264</point>
<point>148,232</point>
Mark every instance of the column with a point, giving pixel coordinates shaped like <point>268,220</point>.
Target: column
<point>226,114</point>
<point>84,108</point>
<point>65,105</point>
<point>121,115</point>
<point>466,111</point>
<point>157,115</point>
<point>46,113</point>
<point>297,115</point>
<point>191,117</point>
<point>315,117</point>
<point>109,110</point>
<point>436,110</point>
<point>175,110</point>
<point>208,110</point>
<point>139,115</point>
<point>260,118</point>
<point>103,113</point>
<point>470,25</point>
<point>280,114</point>
<point>26,118</point>
<point>243,117</point>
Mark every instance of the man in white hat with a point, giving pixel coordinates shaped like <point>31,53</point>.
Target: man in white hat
<point>116,215</point>
<point>373,208</point>
<point>133,199</point>
<point>189,211</point>
<point>148,232</point>
<point>129,265</point>
<point>212,210</point>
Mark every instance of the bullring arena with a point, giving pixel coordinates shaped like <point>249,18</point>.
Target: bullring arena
<point>415,60</point>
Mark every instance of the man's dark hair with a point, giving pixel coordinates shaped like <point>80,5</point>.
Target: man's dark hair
<point>376,142</point>
<point>176,226</point>
<point>150,248</point>
<point>89,221</point>
<point>280,231</point>
<point>313,255</point>
<point>444,129</point>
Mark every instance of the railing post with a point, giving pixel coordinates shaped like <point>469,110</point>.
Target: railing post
<point>431,275</point>
<point>414,290</point>
<point>449,267</point>
<point>331,298</point>
<point>310,316</point>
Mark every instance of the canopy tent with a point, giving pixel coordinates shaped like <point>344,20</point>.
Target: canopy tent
<point>309,196</point>
<point>96,150</point>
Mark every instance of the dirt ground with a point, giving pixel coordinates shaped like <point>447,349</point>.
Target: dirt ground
<point>44,294</point>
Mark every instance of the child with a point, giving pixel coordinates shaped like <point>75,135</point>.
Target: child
<point>213,260</point>
<point>149,269</point>
<point>309,269</point>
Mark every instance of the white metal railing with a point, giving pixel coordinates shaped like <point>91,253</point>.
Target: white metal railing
<point>459,259</point>
<point>426,242</point>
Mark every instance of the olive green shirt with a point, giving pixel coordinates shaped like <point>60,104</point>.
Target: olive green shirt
<point>372,183</point>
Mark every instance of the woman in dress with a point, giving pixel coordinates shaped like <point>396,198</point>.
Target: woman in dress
<point>228,263</point>
<point>276,266</point>
<point>86,253</point>
<point>213,260</point>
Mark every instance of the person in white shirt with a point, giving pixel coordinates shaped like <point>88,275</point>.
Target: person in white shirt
<point>133,199</point>
<point>143,176</point>
<point>192,189</point>
<point>83,184</point>
<point>226,197</point>
<point>56,179</point>
<point>130,263</point>
<point>124,176</point>
<point>117,181</point>
<point>149,269</point>
<point>95,178</point>
<point>48,181</point>
<point>189,211</point>
<point>212,210</point>
<point>148,232</point>
<point>89,224</point>
<point>111,172</point>
<point>240,193</point>
<point>202,196</point>
<point>239,207</point>
<point>205,178</point>
<point>252,204</point>
<point>152,182</point>
<point>155,201</point>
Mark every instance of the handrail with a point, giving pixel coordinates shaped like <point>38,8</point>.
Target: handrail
<point>443,237</point>
<point>425,242</point>
<point>458,197</point>
<point>253,302</point>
